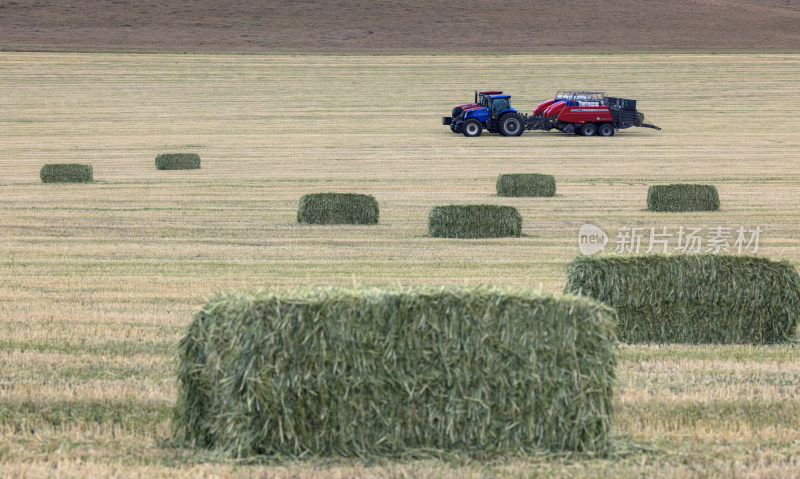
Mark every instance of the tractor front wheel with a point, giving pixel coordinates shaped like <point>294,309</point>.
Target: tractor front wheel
<point>511,124</point>
<point>606,129</point>
<point>472,127</point>
<point>589,129</point>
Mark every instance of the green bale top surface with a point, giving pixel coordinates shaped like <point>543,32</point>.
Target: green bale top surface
<point>474,221</point>
<point>338,208</point>
<point>66,173</point>
<point>369,372</point>
<point>526,184</point>
<point>682,197</point>
<point>693,298</point>
<point>178,161</point>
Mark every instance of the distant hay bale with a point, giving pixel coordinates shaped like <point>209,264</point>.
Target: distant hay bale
<point>532,184</point>
<point>338,208</point>
<point>178,161</point>
<point>370,372</point>
<point>696,299</point>
<point>66,173</point>
<point>474,221</point>
<point>682,197</point>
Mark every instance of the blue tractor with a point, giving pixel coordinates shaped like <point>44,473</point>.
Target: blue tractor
<point>494,114</point>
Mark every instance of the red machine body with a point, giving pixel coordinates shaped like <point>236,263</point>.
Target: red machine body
<point>542,107</point>
<point>554,109</point>
<point>586,113</point>
<point>582,114</point>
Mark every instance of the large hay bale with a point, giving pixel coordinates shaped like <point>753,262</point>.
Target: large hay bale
<point>66,173</point>
<point>370,372</point>
<point>338,208</point>
<point>682,197</point>
<point>474,221</point>
<point>693,298</point>
<point>178,161</point>
<point>524,184</point>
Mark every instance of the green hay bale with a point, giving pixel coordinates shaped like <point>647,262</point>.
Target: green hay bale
<point>370,372</point>
<point>526,185</point>
<point>697,299</point>
<point>66,173</point>
<point>338,208</point>
<point>682,197</point>
<point>474,221</point>
<point>178,161</point>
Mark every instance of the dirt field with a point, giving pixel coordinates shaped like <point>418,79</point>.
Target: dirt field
<point>401,26</point>
<point>100,280</point>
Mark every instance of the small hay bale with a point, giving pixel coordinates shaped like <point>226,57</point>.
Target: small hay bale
<point>66,173</point>
<point>178,161</point>
<point>474,221</point>
<point>338,208</point>
<point>682,197</point>
<point>524,184</point>
<point>696,299</point>
<point>408,372</point>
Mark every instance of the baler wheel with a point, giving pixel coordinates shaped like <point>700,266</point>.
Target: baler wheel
<point>589,129</point>
<point>606,129</point>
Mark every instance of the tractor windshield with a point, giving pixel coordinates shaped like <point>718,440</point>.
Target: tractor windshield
<point>498,105</point>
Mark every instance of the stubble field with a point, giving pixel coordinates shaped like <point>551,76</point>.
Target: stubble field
<point>100,280</point>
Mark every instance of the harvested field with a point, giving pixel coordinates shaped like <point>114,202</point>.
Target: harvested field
<point>99,283</point>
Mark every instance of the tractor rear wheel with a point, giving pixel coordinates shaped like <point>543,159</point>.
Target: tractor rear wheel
<point>589,129</point>
<point>472,127</point>
<point>606,129</point>
<point>511,124</point>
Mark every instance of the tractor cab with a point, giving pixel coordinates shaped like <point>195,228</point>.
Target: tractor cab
<point>482,98</point>
<point>498,104</point>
